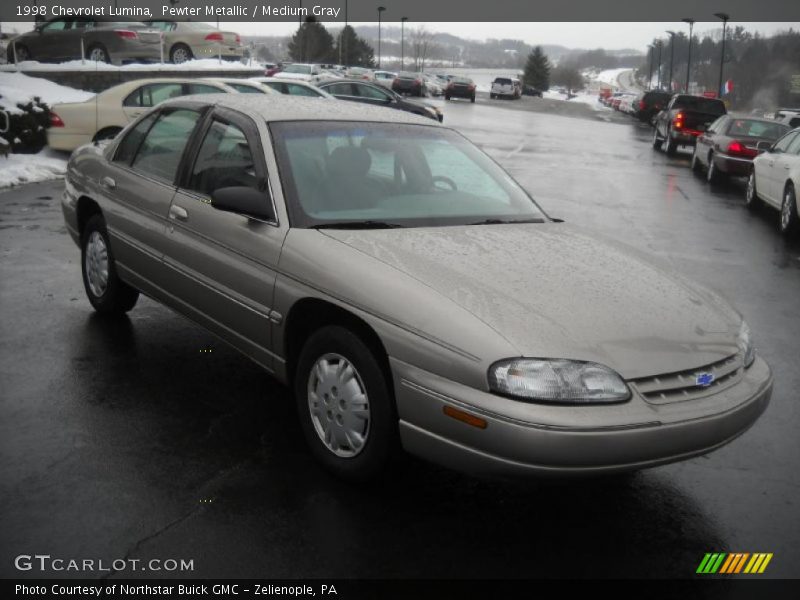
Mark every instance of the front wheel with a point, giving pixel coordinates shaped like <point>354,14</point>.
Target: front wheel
<point>180,53</point>
<point>105,290</point>
<point>712,173</point>
<point>788,223</point>
<point>345,404</point>
<point>751,199</point>
<point>696,165</point>
<point>672,145</point>
<point>472,99</point>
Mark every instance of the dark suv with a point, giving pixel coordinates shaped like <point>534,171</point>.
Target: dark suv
<point>650,104</point>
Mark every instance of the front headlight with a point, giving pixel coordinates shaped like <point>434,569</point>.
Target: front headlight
<point>557,380</point>
<point>746,346</point>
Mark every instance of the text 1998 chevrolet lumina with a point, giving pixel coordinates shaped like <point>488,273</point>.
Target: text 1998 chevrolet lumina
<point>408,290</point>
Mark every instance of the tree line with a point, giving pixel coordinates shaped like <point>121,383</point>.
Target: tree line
<point>762,69</point>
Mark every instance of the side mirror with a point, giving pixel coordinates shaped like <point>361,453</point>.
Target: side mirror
<point>764,146</point>
<point>243,200</point>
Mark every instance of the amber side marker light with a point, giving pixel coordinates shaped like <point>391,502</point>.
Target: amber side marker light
<point>465,417</point>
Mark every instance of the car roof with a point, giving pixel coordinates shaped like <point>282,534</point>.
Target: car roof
<point>299,108</point>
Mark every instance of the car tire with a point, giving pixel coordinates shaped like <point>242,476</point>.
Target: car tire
<point>788,219</point>
<point>697,167</point>
<point>672,145</point>
<point>656,140</point>
<point>23,53</point>
<point>180,53</point>
<point>712,172</point>
<point>472,99</point>
<point>751,199</point>
<point>107,133</point>
<point>108,294</point>
<point>447,98</point>
<point>345,404</point>
<point>98,53</point>
<point>492,96</point>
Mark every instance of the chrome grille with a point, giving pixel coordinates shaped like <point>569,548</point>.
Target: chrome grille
<point>680,386</point>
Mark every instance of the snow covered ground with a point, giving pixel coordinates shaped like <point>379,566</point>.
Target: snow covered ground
<point>201,64</point>
<point>611,76</point>
<point>16,88</point>
<point>17,169</point>
<point>589,99</point>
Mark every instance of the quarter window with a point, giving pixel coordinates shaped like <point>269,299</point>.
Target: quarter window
<point>367,91</point>
<point>161,150</point>
<point>201,88</point>
<point>225,159</point>
<point>340,89</point>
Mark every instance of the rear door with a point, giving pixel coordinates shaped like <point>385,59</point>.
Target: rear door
<point>223,265</point>
<point>775,165</point>
<point>140,100</point>
<point>141,183</point>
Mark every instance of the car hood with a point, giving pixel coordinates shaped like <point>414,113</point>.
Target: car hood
<point>554,290</point>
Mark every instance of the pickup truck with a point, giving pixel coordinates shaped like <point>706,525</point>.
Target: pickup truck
<point>684,118</point>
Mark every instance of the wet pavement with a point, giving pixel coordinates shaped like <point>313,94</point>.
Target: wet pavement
<point>147,438</point>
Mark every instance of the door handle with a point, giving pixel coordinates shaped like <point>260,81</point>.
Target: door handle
<point>178,212</point>
<point>108,183</point>
<point>786,167</point>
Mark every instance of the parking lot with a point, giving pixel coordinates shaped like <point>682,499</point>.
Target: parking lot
<point>148,438</point>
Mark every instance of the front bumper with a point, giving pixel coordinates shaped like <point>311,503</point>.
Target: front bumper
<point>522,439</point>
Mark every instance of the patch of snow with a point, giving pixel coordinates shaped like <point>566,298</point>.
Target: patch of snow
<point>200,64</point>
<point>16,88</point>
<point>610,76</point>
<point>18,169</point>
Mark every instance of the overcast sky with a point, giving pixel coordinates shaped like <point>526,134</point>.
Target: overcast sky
<point>571,35</point>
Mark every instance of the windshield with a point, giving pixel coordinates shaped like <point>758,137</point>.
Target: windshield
<point>304,69</point>
<point>385,174</point>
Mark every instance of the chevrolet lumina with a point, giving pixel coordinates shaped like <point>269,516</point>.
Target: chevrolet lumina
<point>408,290</point>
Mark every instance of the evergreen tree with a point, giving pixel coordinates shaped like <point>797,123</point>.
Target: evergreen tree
<point>312,43</point>
<point>354,51</point>
<point>537,70</point>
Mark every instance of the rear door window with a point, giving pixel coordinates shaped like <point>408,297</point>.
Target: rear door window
<point>153,93</point>
<point>202,88</point>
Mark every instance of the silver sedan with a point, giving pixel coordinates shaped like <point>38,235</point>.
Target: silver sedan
<point>408,290</point>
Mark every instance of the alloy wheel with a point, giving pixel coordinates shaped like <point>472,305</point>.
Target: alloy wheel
<point>97,264</point>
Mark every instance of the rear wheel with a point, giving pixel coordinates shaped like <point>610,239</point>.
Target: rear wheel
<point>788,222</point>
<point>672,145</point>
<point>98,53</point>
<point>180,53</point>
<point>22,53</point>
<point>108,133</point>
<point>751,199</point>
<point>712,173</point>
<point>656,139</point>
<point>105,290</point>
<point>345,405</point>
<point>472,99</point>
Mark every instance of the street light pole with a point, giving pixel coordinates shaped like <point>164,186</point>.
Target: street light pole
<point>402,42</point>
<point>724,18</point>
<point>344,39</point>
<point>660,44</point>
<point>650,71</point>
<point>671,56</point>
<point>689,59</point>
<point>380,10</point>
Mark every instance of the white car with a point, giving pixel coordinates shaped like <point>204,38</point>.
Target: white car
<point>106,114</point>
<point>433,85</point>
<point>302,72</point>
<point>775,180</point>
<point>504,87</point>
<point>788,116</point>
<point>243,86</point>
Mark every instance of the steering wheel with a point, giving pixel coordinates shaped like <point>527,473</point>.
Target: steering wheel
<point>445,180</point>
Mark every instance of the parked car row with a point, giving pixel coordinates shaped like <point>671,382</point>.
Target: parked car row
<point>107,113</point>
<point>103,39</point>
<point>766,151</point>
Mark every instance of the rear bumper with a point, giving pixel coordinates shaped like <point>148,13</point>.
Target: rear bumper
<point>685,138</point>
<point>66,141</point>
<point>453,93</point>
<point>512,448</point>
<point>732,165</point>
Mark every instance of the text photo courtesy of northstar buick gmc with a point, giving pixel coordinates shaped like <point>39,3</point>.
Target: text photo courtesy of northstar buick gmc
<point>408,290</point>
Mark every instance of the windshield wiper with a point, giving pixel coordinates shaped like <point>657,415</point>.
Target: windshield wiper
<point>358,225</point>
<point>504,222</point>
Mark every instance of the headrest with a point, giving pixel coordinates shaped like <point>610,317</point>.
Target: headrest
<point>349,161</point>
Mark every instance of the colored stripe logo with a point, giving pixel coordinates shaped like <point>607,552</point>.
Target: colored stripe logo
<point>734,563</point>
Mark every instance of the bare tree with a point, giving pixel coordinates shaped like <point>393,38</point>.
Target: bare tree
<point>421,47</point>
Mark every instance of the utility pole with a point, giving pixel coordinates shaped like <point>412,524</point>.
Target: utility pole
<point>724,18</point>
